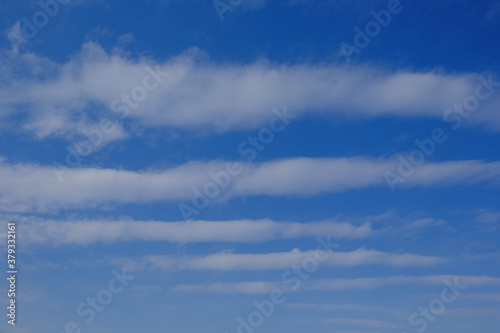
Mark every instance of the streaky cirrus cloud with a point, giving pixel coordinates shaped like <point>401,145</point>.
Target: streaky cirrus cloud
<point>362,322</point>
<point>32,187</point>
<point>59,232</point>
<point>228,261</point>
<point>59,99</point>
<point>263,287</point>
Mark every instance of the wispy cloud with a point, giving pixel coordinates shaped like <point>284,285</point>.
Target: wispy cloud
<point>370,283</point>
<point>219,97</point>
<point>340,284</point>
<point>46,231</point>
<point>86,187</point>
<point>228,261</point>
<point>361,322</point>
<point>490,297</point>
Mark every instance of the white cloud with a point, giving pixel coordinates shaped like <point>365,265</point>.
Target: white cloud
<point>47,231</point>
<point>258,287</point>
<point>127,38</point>
<point>357,308</point>
<point>227,261</point>
<point>341,284</point>
<point>361,322</point>
<point>491,297</point>
<point>220,97</point>
<point>30,187</point>
<point>370,283</point>
<point>488,220</point>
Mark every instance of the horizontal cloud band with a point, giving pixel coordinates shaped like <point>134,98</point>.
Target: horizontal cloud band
<point>264,287</point>
<point>59,232</point>
<point>226,261</point>
<point>187,92</point>
<point>28,187</point>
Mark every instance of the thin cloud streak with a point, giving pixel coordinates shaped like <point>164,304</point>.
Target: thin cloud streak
<point>35,188</point>
<point>263,287</point>
<point>41,231</point>
<point>227,261</point>
<point>199,93</point>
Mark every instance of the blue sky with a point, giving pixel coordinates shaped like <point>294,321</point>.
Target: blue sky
<point>198,166</point>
